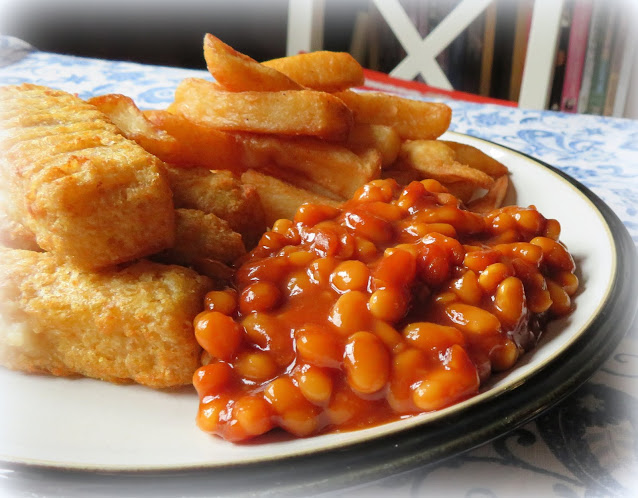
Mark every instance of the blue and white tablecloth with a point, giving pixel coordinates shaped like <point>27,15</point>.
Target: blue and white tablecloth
<point>588,444</point>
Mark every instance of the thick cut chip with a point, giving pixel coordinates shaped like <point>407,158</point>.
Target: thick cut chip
<point>281,199</point>
<point>197,145</point>
<point>71,178</point>
<point>130,324</point>
<point>222,194</point>
<point>494,198</point>
<point>333,167</point>
<point>131,121</point>
<point>237,72</point>
<point>412,119</point>
<point>294,112</point>
<point>434,159</point>
<point>467,154</point>
<point>322,70</point>
<point>385,139</point>
<point>199,236</point>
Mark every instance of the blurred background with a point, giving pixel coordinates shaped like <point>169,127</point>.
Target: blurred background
<point>486,58</point>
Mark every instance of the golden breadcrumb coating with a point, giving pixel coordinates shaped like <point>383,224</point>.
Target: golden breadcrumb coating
<point>119,325</point>
<point>72,179</point>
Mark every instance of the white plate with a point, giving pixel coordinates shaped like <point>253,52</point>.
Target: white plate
<point>90,425</point>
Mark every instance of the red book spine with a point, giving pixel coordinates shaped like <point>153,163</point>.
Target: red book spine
<point>576,50</point>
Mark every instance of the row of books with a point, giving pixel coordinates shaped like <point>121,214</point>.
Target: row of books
<point>593,61</point>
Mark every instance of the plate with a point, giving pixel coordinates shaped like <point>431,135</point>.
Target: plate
<point>87,425</point>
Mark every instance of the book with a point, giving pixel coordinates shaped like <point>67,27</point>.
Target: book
<point>594,43</point>
<point>600,77</point>
<point>626,71</point>
<point>521,36</point>
<point>561,57</point>
<point>503,48</point>
<point>576,49</point>
<point>487,56</point>
<point>615,65</point>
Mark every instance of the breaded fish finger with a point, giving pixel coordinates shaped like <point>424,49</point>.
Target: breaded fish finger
<point>131,324</point>
<point>72,179</point>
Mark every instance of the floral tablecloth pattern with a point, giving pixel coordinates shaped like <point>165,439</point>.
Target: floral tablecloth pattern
<point>585,446</point>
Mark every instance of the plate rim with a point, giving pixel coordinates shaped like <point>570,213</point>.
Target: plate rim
<point>405,445</point>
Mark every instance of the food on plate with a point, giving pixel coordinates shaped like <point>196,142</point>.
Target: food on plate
<point>411,119</point>
<point>398,302</point>
<point>332,167</point>
<point>72,179</point>
<point>281,199</point>
<point>200,236</point>
<point>222,194</point>
<point>237,72</point>
<point>383,277</point>
<point>434,159</point>
<point>294,112</point>
<point>124,324</point>
<point>321,70</point>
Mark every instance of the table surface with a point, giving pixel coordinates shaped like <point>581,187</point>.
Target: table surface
<point>585,446</point>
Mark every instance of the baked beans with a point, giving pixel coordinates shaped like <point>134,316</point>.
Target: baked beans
<point>397,303</point>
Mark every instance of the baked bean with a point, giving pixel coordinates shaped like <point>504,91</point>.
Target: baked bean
<point>350,275</point>
<point>252,417</point>
<point>218,334</point>
<point>300,422</point>
<point>350,312</point>
<point>211,409</point>
<point>493,275</point>
<point>256,366</point>
<point>344,406</point>
<point>389,304</point>
<point>389,336</point>
<point>453,247</point>
<point>397,268</point>
<point>376,191</point>
<point>298,282</point>
<point>568,281</point>
<point>312,214</point>
<point>539,299</point>
<point>319,346</point>
<point>509,301</point>
<point>432,337</point>
<point>411,196</point>
<point>502,222</point>
<point>212,379</point>
<point>433,265</point>
<point>552,229</point>
<point>272,241</point>
<point>561,302</point>
<point>366,225</point>
<point>224,301</point>
<point>472,320</point>
<point>503,356</point>
<point>366,363</point>
<point>259,296</point>
<point>434,186</point>
<point>364,250</point>
<point>271,269</point>
<point>467,288</point>
<point>283,395</point>
<point>554,254</point>
<point>530,220</point>
<point>315,384</point>
<point>407,367</point>
<point>529,253</point>
<point>479,260</point>
<point>320,270</point>
<point>385,211</point>
<point>301,258</point>
<point>443,387</point>
<point>269,333</point>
